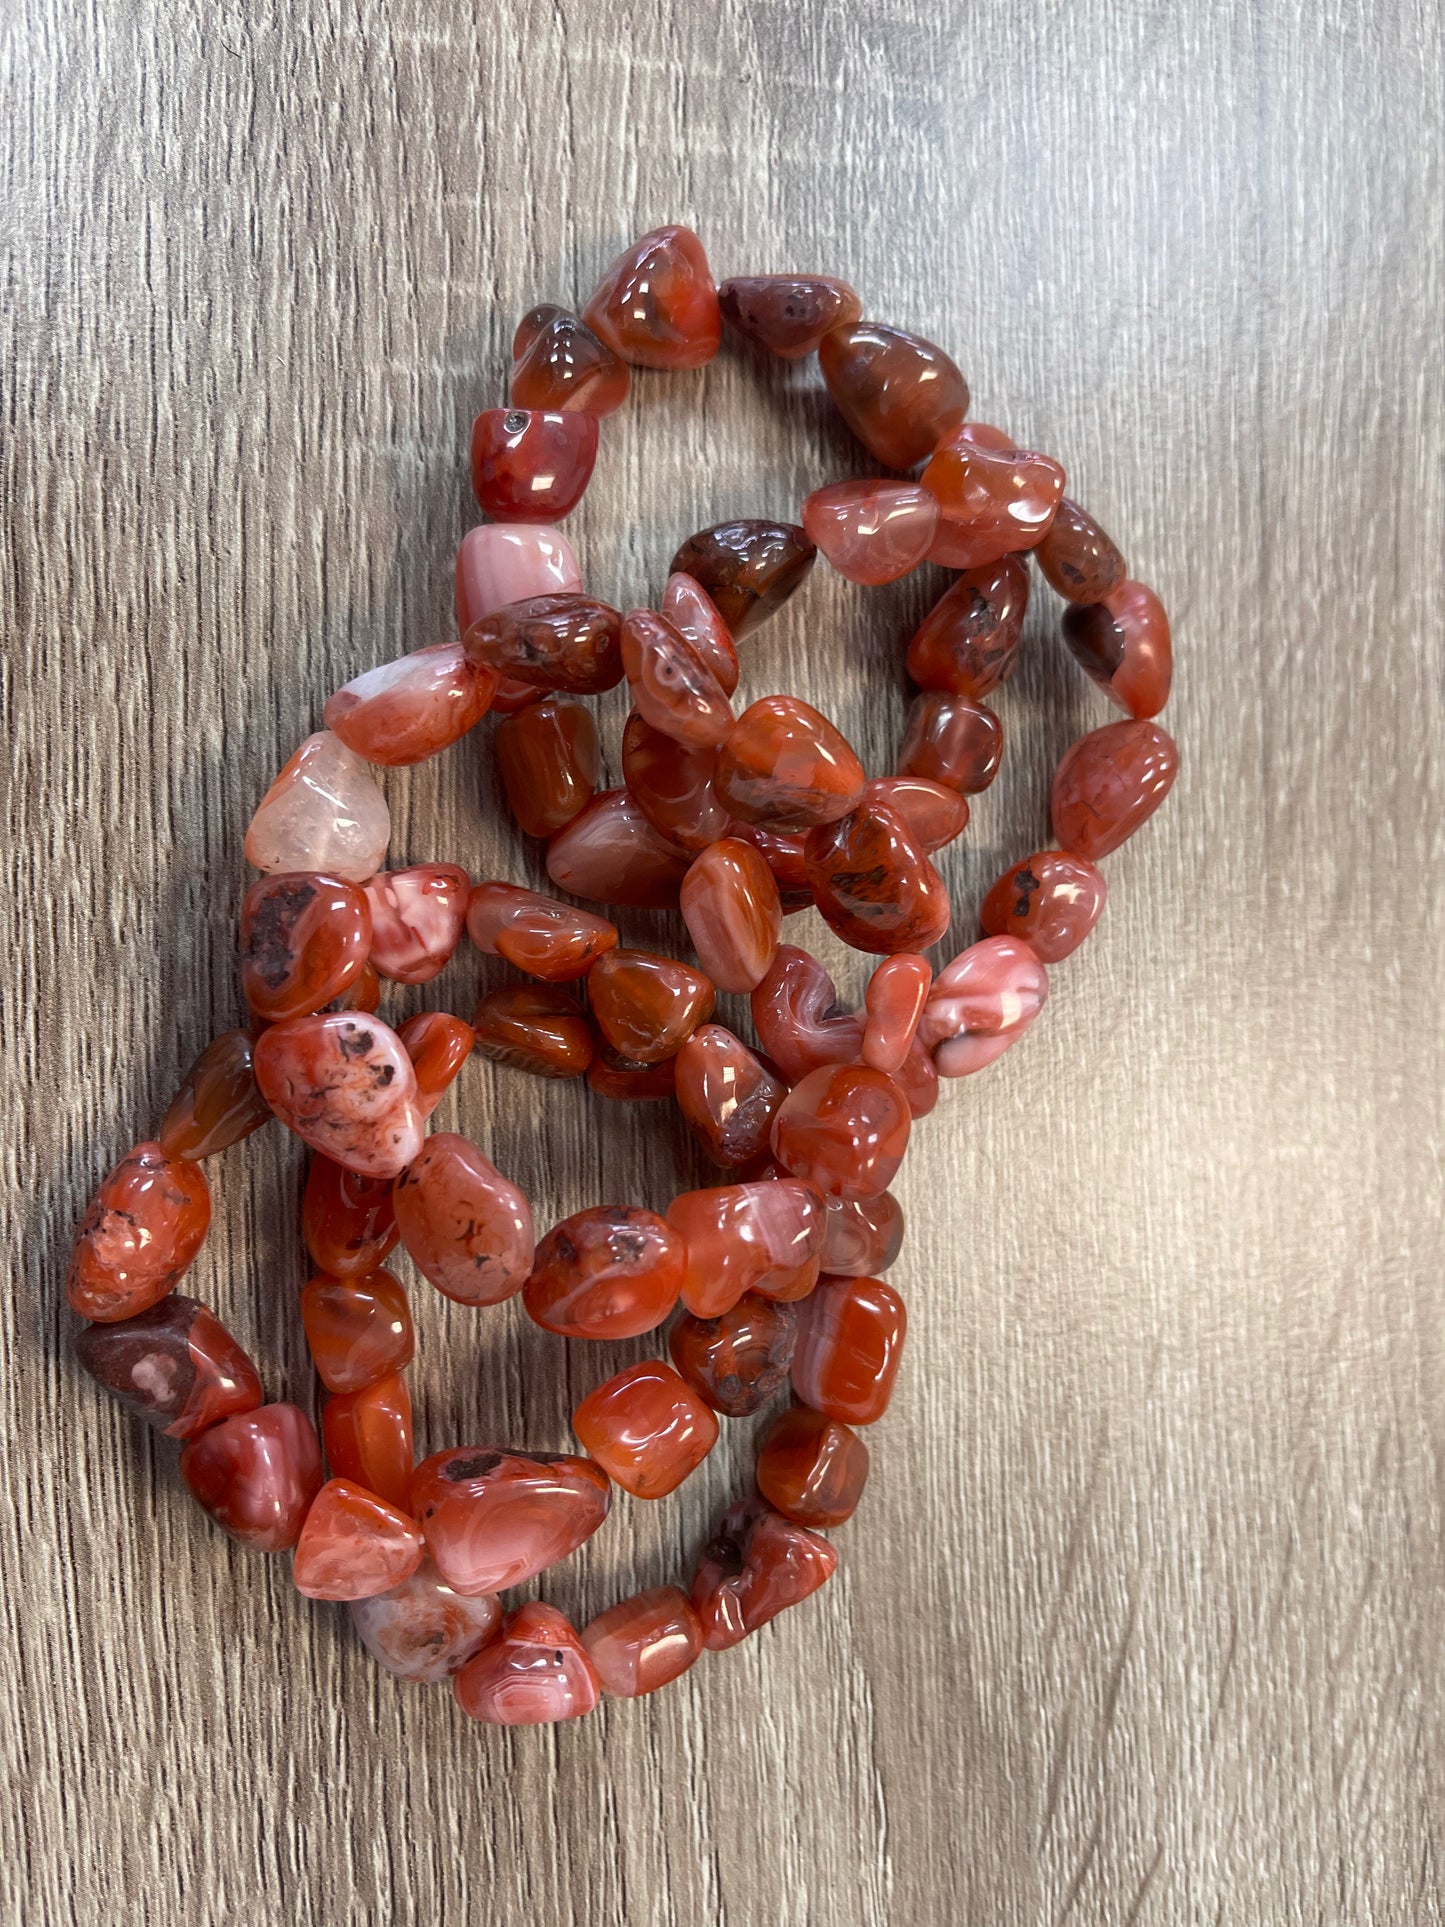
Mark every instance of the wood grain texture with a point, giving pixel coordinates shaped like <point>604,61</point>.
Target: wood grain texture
<point>1140,1622</point>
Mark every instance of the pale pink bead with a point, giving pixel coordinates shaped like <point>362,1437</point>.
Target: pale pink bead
<point>404,711</point>
<point>734,915</point>
<point>504,562</point>
<point>872,531</point>
<point>985,999</point>
<point>422,1629</point>
<point>417,918</point>
<point>323,812</point>
<point>692,611</point>
<point>897,993</point>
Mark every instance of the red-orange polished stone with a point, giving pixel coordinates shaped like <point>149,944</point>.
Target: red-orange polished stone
<point>494,1519</point>
<point>1052,900</point>
<point>532,464</point>
<point>547,755</point>
<point>1108,784</point>
<point>405,711</point>
<point>467,1229</point>
<point>934,814</point>
<point>788,313</point>
<point>863,1236</point>
<point>368,1438</point>
<point>644,1641</point>
<point>417,918</point>
<point>739,1359</point>
<point>138,1236</point>
<point>672,786</point>
<point>897,992</point>
<point>673,688</point>
<point>359,1329</point>
<point>897,392</point>
<point>755,1566</point>
<point>554,941</point>
<point>256,1474</point>
<point>438,1044</point>
<point>612,1076</point>
<point>353,1544</point>
<point>346,1220</point>
<point>570,643</point>
<point>994,501</point>
<point>1123,644</point>
<point>536,1028</point>
<point>762,1237</point>
<point>784,856</point>
<point>787,767</point>
<point>968,642</point>
<point>345,1085</point>
<point>873,531</point>
<point>874,885</point>
<point>798,1018</point>
<point>613,1271</point>
<point>363,993</point>
<point>812,1468</point>
<point>1077,557</point>
<point>850,1342</point>
<point>952,740</point>
<point>557,362</point>
<point>747,568</point>
<point>534,1673</point>
<point>176,1365</point>
<point>697,618</point>
<point>613,854</point>
<point>844,1130</point>
<point>646,1429</point>
<point>727,1094</point>
<point>656,306</point>
<point>218,1103</point>
<point>646,1005</point>
<point>304,938</point>
<point>730,904</point>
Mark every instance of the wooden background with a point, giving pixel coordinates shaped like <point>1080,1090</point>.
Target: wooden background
<point>1141,1618</point>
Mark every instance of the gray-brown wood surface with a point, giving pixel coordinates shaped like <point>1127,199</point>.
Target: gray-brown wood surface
<point>1140,1620</point>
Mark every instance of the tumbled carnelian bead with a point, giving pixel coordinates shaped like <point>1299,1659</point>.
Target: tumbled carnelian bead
<point>672,786</point>
<point>1122,643</point>
<point>570,643</point>
<point>728,1096</point>
<point>503,564</point>
<point>656,306</point>
<point>872,532</point>
<point>438,1045</point>
<point>646,1429</point>
<point>494,1519</point>
<point>917,1078</point>
<point>739,1359</point>
<point>1052,900</point>
<point>353,1544</point>
<point>897,392</point>
<point>218,1103</point>
<point>345,1085</point>
<point>761,1237</point>
<point>547,757</point>
<point>933,813</point>
<point>532,465</point>
<point>534,1673</point>
<point>423,1629</point>
<point>417,918</point>
<point>784,856</point>
<point>982,1003</point>
<point>304,938</point>
<point>176,1365</point>
<point>534,1028</point>
<point>644,1641</point>
<point>1077,558</point>
<point>968,642</point>
<point>673,688</point>
<point>256,1474</point>
<point>788,313</point>
<point>861,1237</point>
<point>324,813</point>
<point>612,1076</point>
<point>346,1219</point>
<point>748,568</point>
<point>755,1566</point>
<point>557,362</point>
<point>359,1329</point>
<point>551,940</point>
<point>798,1018</point>
<point>812,1468</point>
<point>402,712</point>
<point>850,1343</point>
<point>646,1005</point>
<point>467,1229</point>
<point>897,992</point>
<point>874,885</point>
<point>730,904</point>
<point>367,1435</point>
<point>951,740</point>
<point>697,618</point>
<point>611,853</point>
<point>611,1272</point>
<point>844,1130</point>
<point>363,993</point>
<point>1108,784</point>
<point>138,1236</point>
<point>787,767</point>
<point>994,501</point>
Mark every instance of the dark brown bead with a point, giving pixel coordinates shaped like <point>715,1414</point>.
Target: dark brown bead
<point>952,740</point>
<point>897,392</point>
<point>788,313</point>
<point>968,641</point>
<point>738,1361</point>
<point>748,568</point>
<point>175,1364</point>
<point>571,643</point>
<point>1077,558</point>
<point>533,1027</point>
<point>547,756</point>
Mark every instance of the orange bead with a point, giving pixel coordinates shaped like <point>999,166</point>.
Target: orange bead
<point>760,1237</point>
<point>139,1235</point>
<point>438,1044</point>
<point>564,642</point>
<point>534,1673</point>
<point>850,1342</point>
<point>1052,900</point>
<point>363,993</point>
<point>844,1130</point>
<point>933,814</point>
<point>812,1468</point>
<point>359,1329</point>
<point>612,853</point>
<point>467,1229</point>
<point>968,642</point>
<point>788,313</point>
<point>646,1429</point>
<point>897,992</point>
<point>787,767</point>
<point>1108,784</point>
<point>532,464</point>
<point>647,1006</point>
<point>256,1475</point>
<point>897,392</point>
<point>755,1566</point>
<point>644,1641</point>
<point>798,1018</point>
<point>656,306</point>
<point>402,712</point>
<point>417,919</point>
<point>863,1236</point>
<point>346,1219</point>
<point>672,786</point>
<point>218,1103</point>
<point>730,904</point>
<point>952,740</point>
<point>697,618</point>
<point>547,756</point>
<point>872,532</point>
<point>611,1076</point>
<point>532,1027</point>
<point>785,857</point>
<point>551,940</point>
<point>368,1437</point>
<point>1123,644</point>
<point>1077,558</point>
<point>739,1359</point>
<point>494,1519</point>
<point>727,1094</point>
<point>353,1545</point>
<point>304,938</point>
<point>610,1272</point>
<point>994,501</point>
<point>874,885</point>
<point>557,362</point>
<point>747,569</point>
<point>673,688</point>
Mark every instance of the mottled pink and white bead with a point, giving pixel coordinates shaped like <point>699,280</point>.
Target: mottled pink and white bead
<point>424,1630</point>
<point>404,711</point>
<point>534,1673</point>
<point>872,532</point>
<point>345,1084</point>
<point>323,812</point>
<point>417,919</point>
<point>504,562</point>
<point>984,1001</point>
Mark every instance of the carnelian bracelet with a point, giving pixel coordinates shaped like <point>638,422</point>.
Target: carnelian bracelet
<point>739,820</point>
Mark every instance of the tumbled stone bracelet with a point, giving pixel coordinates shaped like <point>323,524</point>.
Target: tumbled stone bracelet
<point>738,820</point>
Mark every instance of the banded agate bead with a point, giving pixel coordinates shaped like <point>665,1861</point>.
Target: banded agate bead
<point>1077,557</point>
<point>613,1271</point>
<point>304,939</point>
<point>139,1235</point>
<point>798,1018</point>
<point>547,756</point>
<point>673,689</point>
<point>981,1003</point>
<point>502,563</point>
<point>1051,900</point>
<point>656,306</point>
<point>863,1236</point>
<point>353,1545</point>
<point>368,1438</point>
<point>755,1566</point>
<point>788,313</point>
<point>551,940</point>
<point>345,1085</point>
<point>467,1229</point>
<point>874,885</point>
<point>897,392</point>
<point>951,740</point>
<point>871,532</point>
<point>1122,643</point>
<point>532,464</point>
<point>844,1130</point>
<point>534,1028</point>
<point>494,1519</point>
<point>218,1103</point>
<point>646,1005</point>
<point>1108,784</point>
<point>728,1096</point>
<point>763,1237</point>
<point>748,569</point>
<point>696,617</point>
<point>535,1672</point>
<point>646,1428</point>
<point>740,1358</point>
<point>557,362</point>
<point>322,813</point>
<point>968,642</point>
<point>786,766</point>
<point>417,918</point>
<point>175,1364</point>
<point>730,904</point>
<point>567,643</point>
<point>405,711</point>
<point>359,1329</point>
<point>423,1629</point>
<point>347,1221</point>
<point>850,1344</point>
<point>256,1474</point>
<point>812,1468</point>
<point>644,1641</point>
<point>611,853</point>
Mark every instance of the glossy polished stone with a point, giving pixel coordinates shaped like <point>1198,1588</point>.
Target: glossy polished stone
<point>730,904</point>
<point>359,1329</point>
<point>1051,900</point>
<point>218,1103</point>
<point>467,1229</point>
<point>893,1006</point>
<point>530,464</point>
<point>862,1237</point>
<point>346,1219</point>
<point>738,1360</point>
<point>755,1566</point>
<point>784,855</point>
<point>362,994</point>
<point>917,1078</point>
<point>551,940</point>
<point>405,711</point>
<point>871,532</point>
<point>346,1086</point>
<point>897,392</point>
<point>1123,644</point>
<point>727,1094</point>
<point>417,919</point>
<point>617,1078</point>
<point>674,689</point>
<point>747,568</point>
<point>874,885</point>
<point>1108,784</point>
<point>981,1003</point>
<point>568,643</point>
<point>535,1672</point>
<point>673,786</point>
<point>646,1005</point>
<point>323,813</point>
<point>850,1344</point>
<point>646,1428</point>
<point>613,1271</point>
<point>968,642</point>
<point>368,1438</point>
<point>423,1630</point>
<point>844,1130</point>
<point>656,306</point>
<point>502,563</point>
<point>612,854</point>
<point>494,1519</point>
<point>176,1365</point>
<point>787,767</point>
<point>697,618</point>
<point>438,1045</point>
<point>788,313</point>
<point>304,939</point>
<point>812,1468</point>
<point>994,501</point>
<point>934,814</point>
<point>644,1641</point>
<point>353,1545</point>
<point>799,1021</point>
<point>139,1235</point>
<point>557,362</point>
<point>1077,558</point>
<point>547,756</point>
<point>533,1027</point>
<point>256,1475</point>
<point>952,740</point>
<point>763,1237</point>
